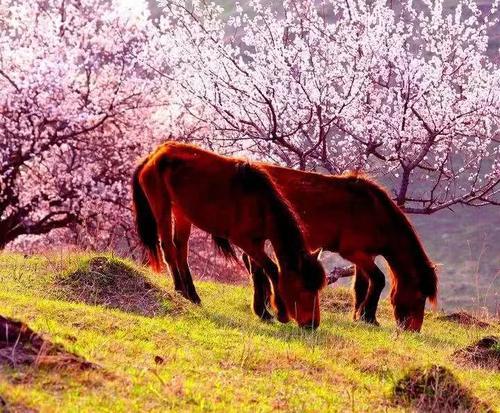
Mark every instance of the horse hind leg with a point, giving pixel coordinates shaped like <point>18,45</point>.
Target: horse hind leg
<point>161,206</point>
<point>262,288</point>
<point>172,267</point>
<point>170,255</point>
<point>182,231</point>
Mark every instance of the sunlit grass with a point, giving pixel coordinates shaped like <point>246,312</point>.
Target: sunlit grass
<point>218,356</point>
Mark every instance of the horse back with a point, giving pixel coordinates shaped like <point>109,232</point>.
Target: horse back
<point>335,209</point>
<point>216,193</point>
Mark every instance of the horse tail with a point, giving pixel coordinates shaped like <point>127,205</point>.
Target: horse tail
<point>428,281</point>
<point>144,219</point>
<point>225,247</point>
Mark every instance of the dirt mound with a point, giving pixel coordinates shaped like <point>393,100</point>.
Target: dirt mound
<point>464,318</point>
<point>485,353</point>
<point>336,299</point>
<point>7,407</point>
<point>20,345</point>
<point>113,284</point>
<point>435,389</point>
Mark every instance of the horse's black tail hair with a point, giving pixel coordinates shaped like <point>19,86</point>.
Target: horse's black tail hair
<point>144,219</point>
<point>225,247</point>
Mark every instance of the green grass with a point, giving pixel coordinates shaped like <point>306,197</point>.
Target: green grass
<point>218,356</point>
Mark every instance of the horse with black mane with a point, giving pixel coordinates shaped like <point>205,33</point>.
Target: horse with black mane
<point>236,202</point>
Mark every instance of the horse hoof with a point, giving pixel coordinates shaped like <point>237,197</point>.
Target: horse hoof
<point>266,316</point>
<point>283,318</point>
<point>369,320</point>
<point>262,312</point>
<point>195,300</point>
<point>309,326</point>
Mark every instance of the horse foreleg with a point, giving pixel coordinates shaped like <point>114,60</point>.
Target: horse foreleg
<point>262,288</point>
<point>360,288</point>
<point>258,255</point>
<point>368,309</point>
<point>366,268</point>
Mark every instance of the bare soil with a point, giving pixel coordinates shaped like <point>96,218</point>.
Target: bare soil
<point>484,354</point>
<point>464,318</point>
<point>20,345</point>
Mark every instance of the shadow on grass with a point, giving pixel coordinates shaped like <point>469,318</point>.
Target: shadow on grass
<point>20,345</point>
<point>288,333</point>
<point>27,357</point>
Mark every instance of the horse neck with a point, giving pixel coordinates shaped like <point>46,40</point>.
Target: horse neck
<point>287,241</point>
<point>283,226</point>
<point>406,256</point>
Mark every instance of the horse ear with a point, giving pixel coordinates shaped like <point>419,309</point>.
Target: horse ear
<point>317,254</point>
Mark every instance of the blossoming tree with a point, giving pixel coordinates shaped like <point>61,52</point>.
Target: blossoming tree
<point>76,112</point>
<point>407,93</point>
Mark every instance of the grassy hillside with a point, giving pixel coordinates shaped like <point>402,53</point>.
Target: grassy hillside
<point>156,352</point>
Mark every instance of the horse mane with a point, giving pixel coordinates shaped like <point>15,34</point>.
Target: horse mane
<point>256,180</point>
<point>428,278</point>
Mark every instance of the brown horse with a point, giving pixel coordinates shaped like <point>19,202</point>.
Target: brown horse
<point>355,217</point>
<point>179,185</point>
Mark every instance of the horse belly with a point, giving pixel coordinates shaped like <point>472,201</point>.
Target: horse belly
<point>206,212</point>
<point>209,199</point>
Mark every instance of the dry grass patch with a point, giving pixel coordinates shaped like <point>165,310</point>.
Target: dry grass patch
<point>114,284</point>
<point>8,407</point>
<point>485,354</point>
<point>336,300</point>
<point>435,389</point>
<point>464,318</point>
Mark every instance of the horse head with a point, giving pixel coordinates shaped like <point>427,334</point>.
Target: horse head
<point>300,288</point>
